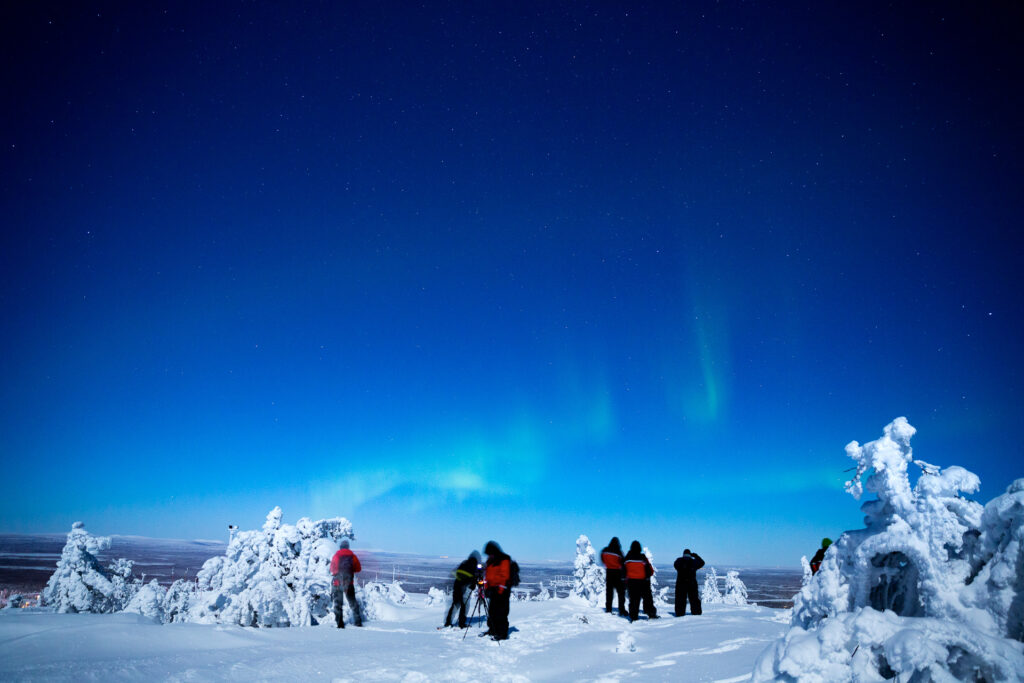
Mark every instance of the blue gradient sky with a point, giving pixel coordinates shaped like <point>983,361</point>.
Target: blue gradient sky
<point>514,271</point>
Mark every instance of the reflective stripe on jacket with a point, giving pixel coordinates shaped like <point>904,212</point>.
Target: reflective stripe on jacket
<point>611,560</point>
<point>637,569</point>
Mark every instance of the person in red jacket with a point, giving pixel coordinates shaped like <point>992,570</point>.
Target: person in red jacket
<point>496,575</point>
<point>638,580</point>
<point>344,565</point>
<point>612,559</point>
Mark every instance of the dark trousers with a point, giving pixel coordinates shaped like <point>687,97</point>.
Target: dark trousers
<point>640,589</point>
<point>613,584</point>
<point>684,590</point>
<point>345,589</point>
<point>458,600</point>
<point>497,612</point>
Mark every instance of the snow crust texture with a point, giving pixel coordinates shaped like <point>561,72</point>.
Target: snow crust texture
<point>931,589</point>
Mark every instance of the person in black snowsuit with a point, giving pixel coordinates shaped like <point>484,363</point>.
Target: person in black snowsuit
<point>465,580</point>
<point>686,582</point>
<point>497,573</point>
<point>614,579</point>
<point>819,556</point>
<point>638,582</point>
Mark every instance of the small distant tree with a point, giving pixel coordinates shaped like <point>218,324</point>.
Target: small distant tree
<point>735,590</point>
<point>709,594</point>
<point>588,576</point>
<point>178,600</point>
<point>148,601</point>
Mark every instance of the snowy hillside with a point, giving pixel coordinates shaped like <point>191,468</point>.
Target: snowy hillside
<point>554,640</point>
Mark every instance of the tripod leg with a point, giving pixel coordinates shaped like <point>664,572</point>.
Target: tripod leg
<point>476,608</point>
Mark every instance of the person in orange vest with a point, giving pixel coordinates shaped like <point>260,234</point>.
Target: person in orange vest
<point>819,556</point>
<point>612,559</point>
<point>344,565</point>
<point>496,575</point>
<point>638,581</point>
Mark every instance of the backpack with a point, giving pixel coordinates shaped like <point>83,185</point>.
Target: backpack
<point>513,573</point>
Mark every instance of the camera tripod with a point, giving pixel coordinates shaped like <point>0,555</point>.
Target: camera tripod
<point>480,601</point>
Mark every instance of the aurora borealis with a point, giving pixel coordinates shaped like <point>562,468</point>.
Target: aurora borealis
<point>518,271</point>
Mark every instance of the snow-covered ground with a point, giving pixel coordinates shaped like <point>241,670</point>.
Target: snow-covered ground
<point>563,639</point>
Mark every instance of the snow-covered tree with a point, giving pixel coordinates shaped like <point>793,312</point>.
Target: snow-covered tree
<point>148,601</point>
<point>178,600</point>
<point>588,576</point>
<point>735,590</point>
<point>279,576</point>
<point>808,573</point>
<point>14,600</point>
<point>654,576</point>
<point>436,596</point>
<point>80,584</point>
<point>709,593</point>
<point>542,592</point>
<point>930,589</point>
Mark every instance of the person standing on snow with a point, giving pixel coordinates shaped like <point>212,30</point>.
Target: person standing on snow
<point>638,581</point>
<point>465,578</point>
<point>344,565</point>
<point>612,559</point>
<point>496,576</point>
<point>686,582</point>
<point>819,556</point>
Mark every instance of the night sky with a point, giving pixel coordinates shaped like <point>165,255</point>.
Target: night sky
<point>519,271</point>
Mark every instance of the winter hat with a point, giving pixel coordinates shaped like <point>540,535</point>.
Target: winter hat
<point>635,547</point>
<point>615,545</point>
<point>826,542</point>
<point>492,548</point>
<point>686,552</point>
<point>475,556</point>
<point>344,543</point>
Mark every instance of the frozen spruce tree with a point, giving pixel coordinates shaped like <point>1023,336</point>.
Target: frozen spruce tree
<point>588,575</point>
<point>80,584</point>
<point>808,574</point>
<point>735,590</point>
<point>148,601</point>
<point>709,593</point>
<point>930,589</point>
<point>178,600</point>
<point>278,576</point>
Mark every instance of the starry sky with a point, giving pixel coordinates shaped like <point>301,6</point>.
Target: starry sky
<point>462,271</point>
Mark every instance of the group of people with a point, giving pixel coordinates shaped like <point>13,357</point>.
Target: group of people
<point>494,580</point>
<point>493,583</point>
<point>631,573</point>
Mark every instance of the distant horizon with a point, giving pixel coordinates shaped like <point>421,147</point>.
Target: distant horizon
<point>357,549</point>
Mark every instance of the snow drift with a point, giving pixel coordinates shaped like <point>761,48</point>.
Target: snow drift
<point>930,589</point>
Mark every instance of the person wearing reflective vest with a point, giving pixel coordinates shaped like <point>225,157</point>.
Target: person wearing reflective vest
<point>638,582</point>
<point>465,578</point>
<point>613,561</point>
<point>496,574</point>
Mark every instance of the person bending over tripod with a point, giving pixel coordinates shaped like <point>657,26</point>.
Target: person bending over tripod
<point>496,576</point>
<point>465,578</point>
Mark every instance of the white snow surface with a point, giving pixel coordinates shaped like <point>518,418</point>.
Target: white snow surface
<point>548,642</point>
